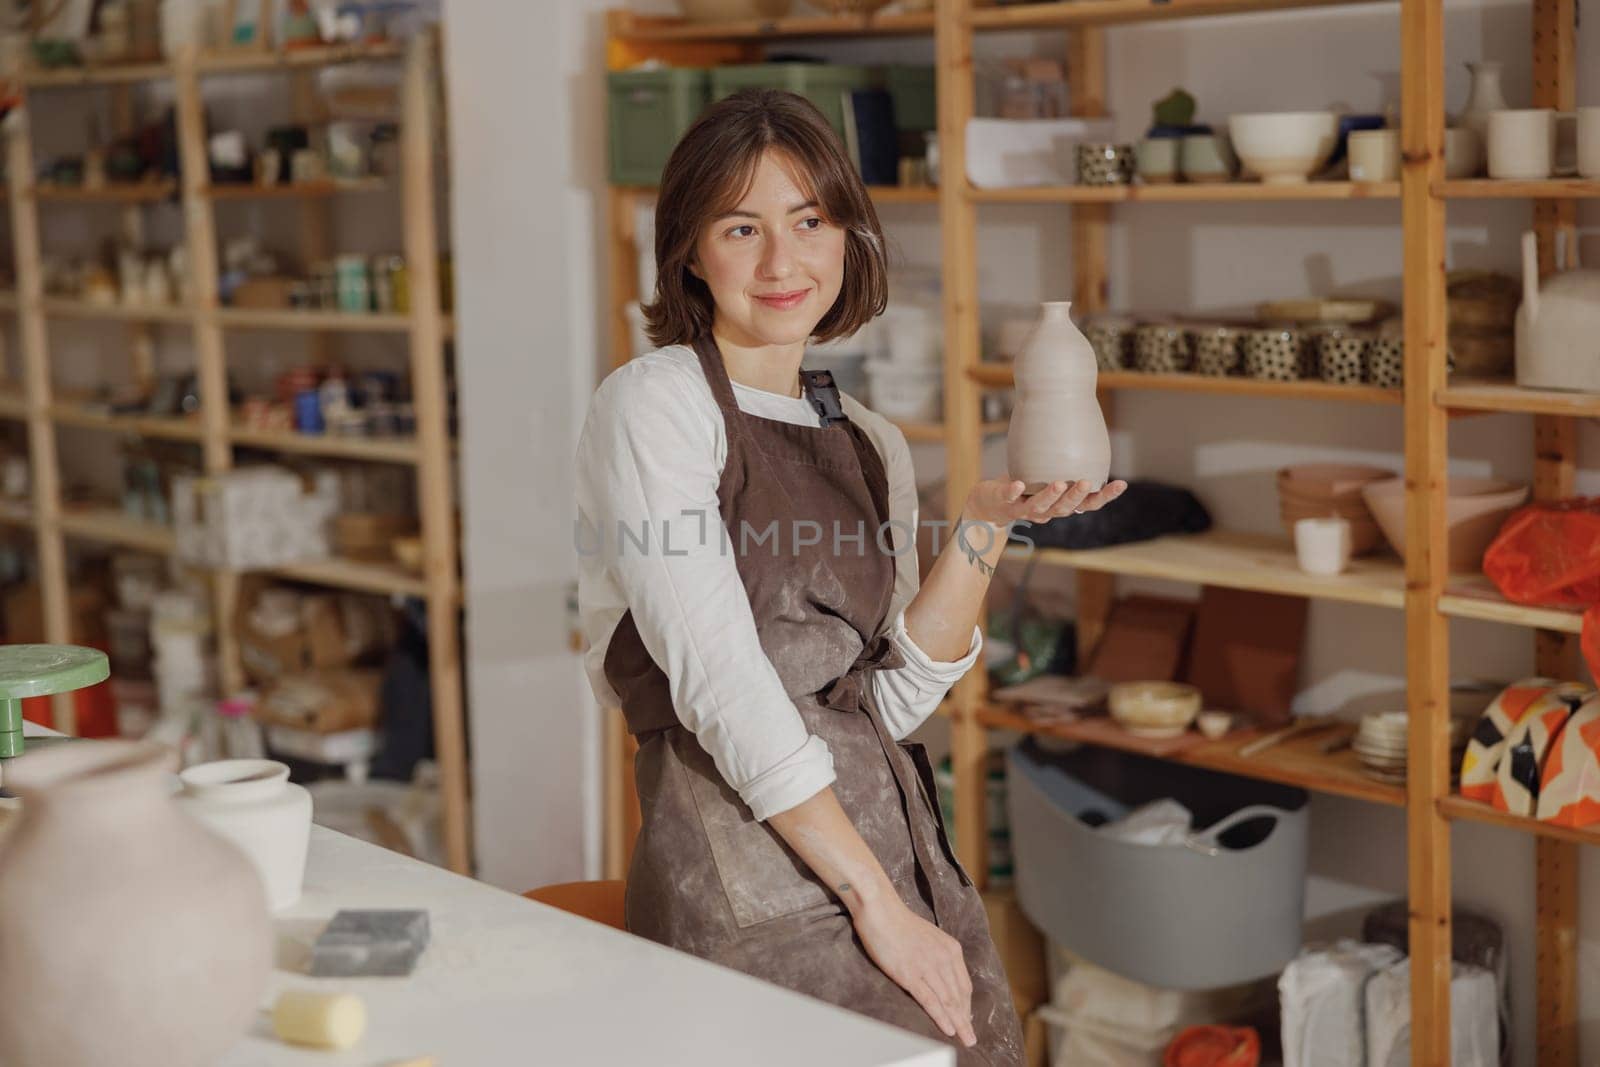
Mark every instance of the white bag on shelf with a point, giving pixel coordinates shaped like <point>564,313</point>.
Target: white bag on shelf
<point>1323,992</point>
<point>1474,1017</point>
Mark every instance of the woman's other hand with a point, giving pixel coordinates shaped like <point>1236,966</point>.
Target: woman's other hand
<point>923,960</point>
<point>999,501</point>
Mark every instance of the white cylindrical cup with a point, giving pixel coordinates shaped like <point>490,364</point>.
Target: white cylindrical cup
<point>1589,142</point>
<point>1522,143</point>
<point>1322,545</point>
<point>1375,155</point>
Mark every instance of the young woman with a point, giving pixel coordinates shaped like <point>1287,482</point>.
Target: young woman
<point>748,586</point>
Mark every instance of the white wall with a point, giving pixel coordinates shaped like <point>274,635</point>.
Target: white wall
<point>529,227</point>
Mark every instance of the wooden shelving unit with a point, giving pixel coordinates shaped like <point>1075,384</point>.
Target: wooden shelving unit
<point>424,329</point>
<point>1420,587</point>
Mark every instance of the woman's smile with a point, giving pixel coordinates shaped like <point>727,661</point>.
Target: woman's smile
<point>785,301</point>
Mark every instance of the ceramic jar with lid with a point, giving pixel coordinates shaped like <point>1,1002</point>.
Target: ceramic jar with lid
<point>252,803</point>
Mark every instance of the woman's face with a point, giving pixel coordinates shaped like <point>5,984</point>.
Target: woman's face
<point>774,264</point>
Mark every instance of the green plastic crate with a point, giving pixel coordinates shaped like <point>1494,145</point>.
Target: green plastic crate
<point>649,111</point>
<point>912,88</point>
<point>824,84</point>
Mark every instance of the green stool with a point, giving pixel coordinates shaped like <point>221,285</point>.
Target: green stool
<point>41,671</point>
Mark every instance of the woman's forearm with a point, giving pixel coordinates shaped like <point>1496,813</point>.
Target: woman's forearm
<point>940,617</point>
<point>823,835</point>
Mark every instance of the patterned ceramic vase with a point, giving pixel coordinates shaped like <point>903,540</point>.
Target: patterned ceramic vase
<point>1104,164</point>
<point>1278,354</point>
<point>1342,356</point>
<point>1217,349</point>
<point>1161,348</point>
<point>1057,431</point>
<point>1386,362</point>
<point>1112,339</point>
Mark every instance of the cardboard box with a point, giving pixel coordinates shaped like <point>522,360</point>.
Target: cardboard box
<point>323,702</point>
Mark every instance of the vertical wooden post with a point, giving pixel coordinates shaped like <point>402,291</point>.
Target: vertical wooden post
<point>37,391</point>
<point>963,429</point>
<point>211,369</point>
<point>1086,94</point>
<point>1426,457</point>
<point>434,491</point>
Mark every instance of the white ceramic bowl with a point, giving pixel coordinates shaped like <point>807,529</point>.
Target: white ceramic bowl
<point>1284,147</point>
<point>1154,709</point>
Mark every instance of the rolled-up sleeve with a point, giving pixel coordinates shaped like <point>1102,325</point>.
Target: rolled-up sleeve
<point>647,472</point>
<point>908,695</point>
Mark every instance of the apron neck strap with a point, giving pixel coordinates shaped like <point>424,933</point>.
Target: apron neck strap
<point>716,372</point>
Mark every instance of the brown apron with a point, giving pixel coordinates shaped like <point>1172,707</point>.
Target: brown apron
<point>706,876</point>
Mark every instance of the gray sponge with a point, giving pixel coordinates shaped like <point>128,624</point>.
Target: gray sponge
<point>365,942</point>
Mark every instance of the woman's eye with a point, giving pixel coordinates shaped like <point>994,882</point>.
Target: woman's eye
<point>813,223</point>
<point>735,231</point>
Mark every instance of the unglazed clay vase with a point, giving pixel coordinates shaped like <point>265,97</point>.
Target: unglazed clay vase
<point>1057,432</point>
<point>129,933</point>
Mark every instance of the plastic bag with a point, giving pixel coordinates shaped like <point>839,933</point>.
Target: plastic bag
<point>1323,991</point>
<point>1549,555</point>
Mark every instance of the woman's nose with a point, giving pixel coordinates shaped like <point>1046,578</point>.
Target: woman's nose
<point>777,260</point>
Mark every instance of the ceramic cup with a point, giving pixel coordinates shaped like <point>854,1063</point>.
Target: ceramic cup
<point>1589,142</point>
<point>1161,348</point>
<point>1102,163</point>
<point>1217,349</point>
<point>1214,725</point>
<point>252,803</point>
<point>1342,356</point>
<point>1322,546</point>
<point>1278,354</point>
<point>1463,153</point>
<point>1158,160</point>
<point>1522,143</point>
<point>1207,157</point>
<point>1375,155</point>
<point>1386,362</point>
<point>1111,337</point>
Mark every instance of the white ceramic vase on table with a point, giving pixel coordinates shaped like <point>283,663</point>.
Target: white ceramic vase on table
<point>129,933</point>
<point>1057,431</point>
<point>252,803</point>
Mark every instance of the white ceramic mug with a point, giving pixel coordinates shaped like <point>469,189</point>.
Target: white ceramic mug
<point>1322,545</point>
<point>1589,142</point>
<point>1375,155</point>
<point>1522,143</point>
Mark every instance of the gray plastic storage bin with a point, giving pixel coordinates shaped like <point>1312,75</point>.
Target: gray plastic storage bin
<point>1224,910</point>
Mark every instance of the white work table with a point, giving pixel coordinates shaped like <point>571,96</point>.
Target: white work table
<point>508,981</point>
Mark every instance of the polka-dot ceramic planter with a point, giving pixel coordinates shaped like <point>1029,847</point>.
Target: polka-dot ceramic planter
<point>1278,354</point>
<point>1386,361</point>
<point>1104,163</point>
<point>1160,348</point>
<point>1342,357</point>
<point>1112,341</point>
<point>1218,350</point>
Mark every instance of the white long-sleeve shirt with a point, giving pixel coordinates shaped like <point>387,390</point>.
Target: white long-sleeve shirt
<point>651,454</point>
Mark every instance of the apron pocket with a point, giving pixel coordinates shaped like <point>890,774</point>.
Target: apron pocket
<point>930,797</point>
<point>761,876</point>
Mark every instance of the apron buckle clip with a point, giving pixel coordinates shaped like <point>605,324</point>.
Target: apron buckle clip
<point>823,394</point>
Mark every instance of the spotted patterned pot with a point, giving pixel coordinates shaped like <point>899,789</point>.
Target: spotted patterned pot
<point>1161,348</point>
<point>1342,356</point>
<point>1278,354</point>
<point>1111,338</point>
<point>1386,360</point>
<point>1104,164</point>
<point>1217,349</point>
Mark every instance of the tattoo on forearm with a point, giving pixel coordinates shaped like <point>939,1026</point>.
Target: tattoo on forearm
<point>973,555</point>
<point>844,887</point>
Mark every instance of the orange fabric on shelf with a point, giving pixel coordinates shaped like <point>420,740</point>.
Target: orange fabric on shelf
<point>1214,1046</point>
<point>1548,554</point>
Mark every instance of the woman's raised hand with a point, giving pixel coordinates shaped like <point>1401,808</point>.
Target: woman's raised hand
<point>923,960</point>
<point>999,501</point>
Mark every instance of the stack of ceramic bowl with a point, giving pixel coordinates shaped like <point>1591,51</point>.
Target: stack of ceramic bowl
<point>1324,490</point>
<point>1380,744</point>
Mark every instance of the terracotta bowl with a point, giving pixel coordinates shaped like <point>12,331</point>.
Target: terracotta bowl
<point>1328,479</point>
<point>1475,509</point>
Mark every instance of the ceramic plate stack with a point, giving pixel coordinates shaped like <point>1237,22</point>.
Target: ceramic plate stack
<point>1325,490</point>
<point>1380,744</point>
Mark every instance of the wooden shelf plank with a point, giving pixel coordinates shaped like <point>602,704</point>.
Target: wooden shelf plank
<point>144,192</point>
<point>631,27</point>
<point>101,75</point>
<point>296,190</point>
<point>996,375</point>
<point>376,449</point>
<point>1044,16</point>
<point>1505,189</point>
<point>934,431</point>
<point>1181,193</point>
<point>1460,808</point>
<point>290,319</point>
<point>72,308</point>
<point>1505,395</point>
<point>1475,597</point>
<point>1260,562</point>
<point>354,574</point>
<point>112,527</point>
<point>172,428</point>
<point>1297,762</point>
<point>244,60</point>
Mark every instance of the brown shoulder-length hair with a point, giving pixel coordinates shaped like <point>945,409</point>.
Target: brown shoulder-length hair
<point>710,171</point>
